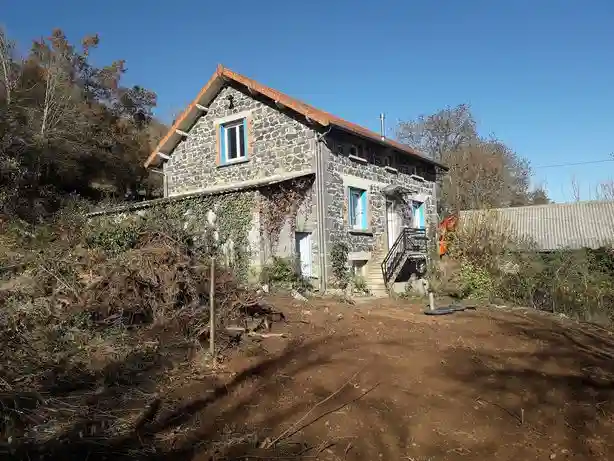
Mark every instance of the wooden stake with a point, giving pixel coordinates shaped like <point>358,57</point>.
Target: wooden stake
<point>431,300</point>
<point>212,309</point>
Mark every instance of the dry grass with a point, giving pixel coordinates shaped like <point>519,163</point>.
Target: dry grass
<point>90,338</point>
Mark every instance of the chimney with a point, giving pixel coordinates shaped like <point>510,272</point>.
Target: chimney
<point>382,123</point>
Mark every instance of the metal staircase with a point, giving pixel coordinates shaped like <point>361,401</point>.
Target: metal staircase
<point>410,245</point>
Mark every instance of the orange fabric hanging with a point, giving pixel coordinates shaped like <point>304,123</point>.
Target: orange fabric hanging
<point>446,226</point>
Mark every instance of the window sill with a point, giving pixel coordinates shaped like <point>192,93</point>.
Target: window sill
<point>356,158</point>
<point>391,169</point>
<point>417,177</point>
<point>360,231</point>
<point>233,162</point>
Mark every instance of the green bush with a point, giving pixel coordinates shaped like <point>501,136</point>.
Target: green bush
<point>339,261</point>
<point>114,239</point>
<point>578,283</point>
<point>476,282</point>
<point>360,284</point>
<point>284,273</point>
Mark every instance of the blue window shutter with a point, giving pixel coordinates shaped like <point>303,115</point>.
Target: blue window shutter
<point>222,144</point>
<point>351,207</point>
<point>245,137</point>
<point>363,201</point>
<point>421,216</point>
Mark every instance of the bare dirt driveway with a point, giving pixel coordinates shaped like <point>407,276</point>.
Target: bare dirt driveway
<point>385,381</point>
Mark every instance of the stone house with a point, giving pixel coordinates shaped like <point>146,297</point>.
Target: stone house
<point>372,193</point>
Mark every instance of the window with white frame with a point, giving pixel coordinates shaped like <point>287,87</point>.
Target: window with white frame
<point>234,141</point>
<point>357,207</point>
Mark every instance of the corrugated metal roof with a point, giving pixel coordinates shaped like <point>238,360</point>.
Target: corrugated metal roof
<point>559,225</point>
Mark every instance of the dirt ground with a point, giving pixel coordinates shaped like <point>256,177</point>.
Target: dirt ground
<point>384,381</point>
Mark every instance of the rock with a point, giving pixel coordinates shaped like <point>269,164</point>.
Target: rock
<point>298,296</point>
<point>552,455</point>
<point>265,287</point>
<point>339,316</point>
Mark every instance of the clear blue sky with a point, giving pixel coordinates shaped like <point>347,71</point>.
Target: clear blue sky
<point>539,74</point>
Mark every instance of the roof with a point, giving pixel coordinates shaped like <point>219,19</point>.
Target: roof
<point>560,225</point>
<point>223,75</point>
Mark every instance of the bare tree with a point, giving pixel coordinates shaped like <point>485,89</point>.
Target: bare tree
<point>575,189</point>
<point>59,65</point>
<point>440,133</point>
<point>605,190</point>
<point>6,66</point>
<point>484,172</point>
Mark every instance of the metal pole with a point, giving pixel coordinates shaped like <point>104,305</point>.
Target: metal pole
<point>211,308</point>
<point>431,300</point>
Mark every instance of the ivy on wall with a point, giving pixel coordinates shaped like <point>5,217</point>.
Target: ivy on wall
<point>280,204</point>
<point>118,232</point>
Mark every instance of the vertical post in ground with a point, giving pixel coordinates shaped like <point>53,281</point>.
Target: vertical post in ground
<point>212,308</point>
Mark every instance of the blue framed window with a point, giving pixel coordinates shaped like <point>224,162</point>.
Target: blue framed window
<point>418,209</point>
<point>233,141</point>
<point>357,208</point>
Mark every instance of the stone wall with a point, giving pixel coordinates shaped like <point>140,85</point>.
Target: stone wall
<point>279,144</point>
<point>376,168</point>
<point>246,243</point>
<point>238,223</point>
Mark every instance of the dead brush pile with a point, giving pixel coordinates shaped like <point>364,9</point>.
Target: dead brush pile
<point>92,340</point>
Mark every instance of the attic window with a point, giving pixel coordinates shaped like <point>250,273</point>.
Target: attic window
<point>357,153</point>
<point>234,141</point>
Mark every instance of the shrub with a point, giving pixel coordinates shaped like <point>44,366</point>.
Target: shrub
<point>284,273</point>
<point>494,264</point>
<point>360,284</point>
<point>476,282</point>
<point>483,239</point>
<point>113,238</point>
<point>339,264</point>
<point>577,283</point>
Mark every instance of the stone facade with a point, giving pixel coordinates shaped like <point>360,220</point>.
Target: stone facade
<point>279,144</point>
<point>371,167</point>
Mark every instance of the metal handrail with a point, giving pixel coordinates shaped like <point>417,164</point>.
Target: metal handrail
<point>409,240</point>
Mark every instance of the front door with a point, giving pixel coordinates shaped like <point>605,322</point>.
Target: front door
<point>392,222</point>
<point>303,248</point>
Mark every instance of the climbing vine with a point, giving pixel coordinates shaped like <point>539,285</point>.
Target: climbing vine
<point>234,211</point>
<point>187,218</point>
<point>280,204</point>
<point>339,263</point>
